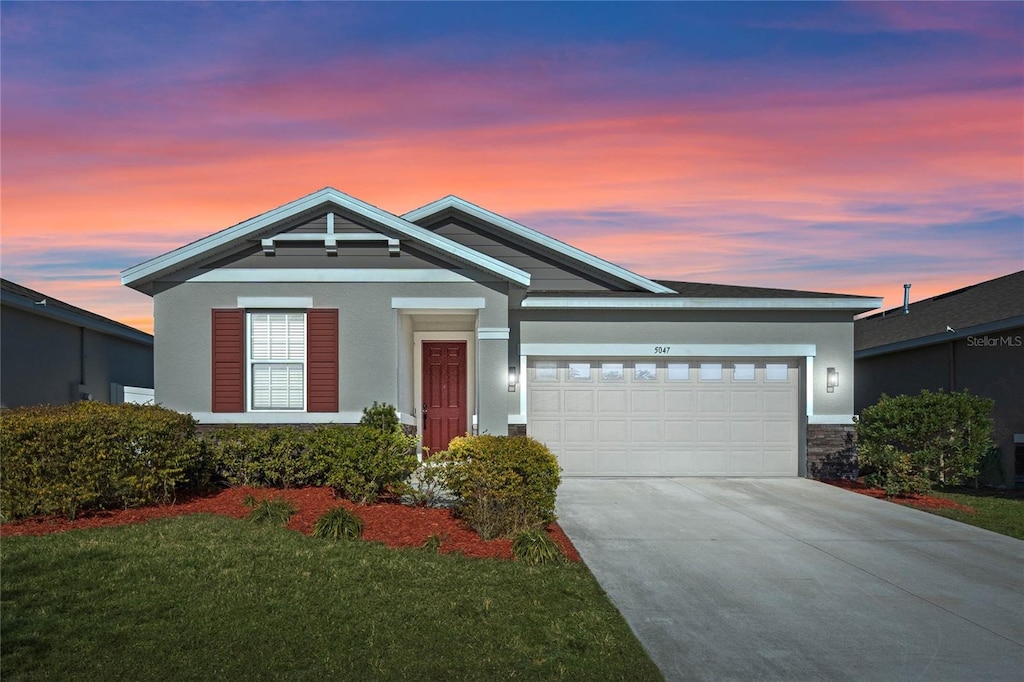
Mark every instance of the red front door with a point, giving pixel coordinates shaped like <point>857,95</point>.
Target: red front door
<point>444,393</point>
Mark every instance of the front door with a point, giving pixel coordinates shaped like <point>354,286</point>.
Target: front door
<point>444,393</point>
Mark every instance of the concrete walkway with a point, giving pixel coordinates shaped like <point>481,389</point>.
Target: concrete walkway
<point>790,579</point>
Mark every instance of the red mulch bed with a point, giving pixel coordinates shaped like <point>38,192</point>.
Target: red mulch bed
<point>914,500</point>
<point>395,525</point>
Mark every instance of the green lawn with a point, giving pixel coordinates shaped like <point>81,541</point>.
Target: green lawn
<point>206,597</point>
<point>999,511</point>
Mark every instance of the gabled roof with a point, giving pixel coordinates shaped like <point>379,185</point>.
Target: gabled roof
<point>141,276</point>
<point>30,300</point>
<point>977,309</point>
<point>521,233</point>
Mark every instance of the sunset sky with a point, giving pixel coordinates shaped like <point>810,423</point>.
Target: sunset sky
<point>832,147</point>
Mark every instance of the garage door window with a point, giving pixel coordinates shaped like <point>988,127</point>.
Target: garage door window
<point>579,371</point>
<point>546,371</point>
<point>743,371</point>
<point>645,371</point>
<point>710,371</point>
<point>611,371</point>
<point>776,371</point>
<point>678,371</point>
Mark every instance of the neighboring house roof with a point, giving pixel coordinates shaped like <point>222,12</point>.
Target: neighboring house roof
<point>34,302</point>
<point>143,275</point>
<point>522,234</point>
<point>982,308</point>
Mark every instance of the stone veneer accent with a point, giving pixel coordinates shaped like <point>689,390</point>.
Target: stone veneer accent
<point>517,429</point>
<point>832,451</point>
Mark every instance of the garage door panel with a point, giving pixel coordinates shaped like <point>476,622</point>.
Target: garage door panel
<point>612,462</point>
<point>650,418</point>
<point>680,401</point>
<point>779,433</point>
<point>646,462</point>
<point>611,401</point>
<point>745,462</point>
<point>779,402</point>
<point>713,462</point>
<point>546,401</point>
<point>711,433</point>
<point>745,402</point>
<point>711,402</point>
<point>579,400</point>
<point>679,431</point>
<point>745,432</point>
<point>546,430</point>
<point>577,459</point>
<point>644,402</point>
<point>678,462</point>
<point>613,430</point>
<point>645,431</point>
<point>580,431</point>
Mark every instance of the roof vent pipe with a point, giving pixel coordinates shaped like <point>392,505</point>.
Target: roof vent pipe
<point>906,299</point>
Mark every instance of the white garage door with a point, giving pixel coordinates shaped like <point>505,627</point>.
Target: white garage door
<point>616,417</point>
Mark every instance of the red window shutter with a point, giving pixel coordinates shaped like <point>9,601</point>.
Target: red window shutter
<point>228,360</point>
<point>322,360</point>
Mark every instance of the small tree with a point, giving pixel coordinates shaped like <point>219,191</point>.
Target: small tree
<point>911,443</point>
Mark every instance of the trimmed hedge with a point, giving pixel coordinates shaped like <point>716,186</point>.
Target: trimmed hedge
<point>503,484</point>
<point>363,462</point>
<point>88,455</point>
<point>908,444</point>
<point>277,457</point>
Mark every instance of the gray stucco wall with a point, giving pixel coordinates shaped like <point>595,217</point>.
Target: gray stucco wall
<point>374,341</point>
<point>42,360</point>
<point>992,371</point>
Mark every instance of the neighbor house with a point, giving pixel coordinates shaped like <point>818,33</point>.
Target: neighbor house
<point>53,353</point>
<point>469,322</point>
<point>971,338</point>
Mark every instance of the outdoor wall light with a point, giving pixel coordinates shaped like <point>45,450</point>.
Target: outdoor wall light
<point>831,379</point>
<point>513,379</point>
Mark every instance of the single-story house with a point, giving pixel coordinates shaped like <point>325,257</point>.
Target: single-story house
<point>56,353</point>
<point>971,338</point>
<point>467,321</point>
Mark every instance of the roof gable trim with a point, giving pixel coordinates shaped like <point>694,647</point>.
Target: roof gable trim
<point>143,273</point>
<point>521,231</point>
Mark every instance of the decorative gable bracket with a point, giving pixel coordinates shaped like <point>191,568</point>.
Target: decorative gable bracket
<point>330,239</point>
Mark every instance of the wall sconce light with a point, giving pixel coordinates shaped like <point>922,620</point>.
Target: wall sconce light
<point>513,379</point>
<point>831,379</point>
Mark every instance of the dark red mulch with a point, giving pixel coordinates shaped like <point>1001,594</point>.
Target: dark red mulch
<point>913,500</point>
<point>395,525</point>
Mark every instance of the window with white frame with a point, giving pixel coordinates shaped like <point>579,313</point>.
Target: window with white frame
<point>277,360</point>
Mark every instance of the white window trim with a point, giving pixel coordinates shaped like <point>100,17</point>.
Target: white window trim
<point>249,362</point>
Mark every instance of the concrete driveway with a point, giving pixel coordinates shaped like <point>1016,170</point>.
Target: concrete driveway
<point>791,579</point>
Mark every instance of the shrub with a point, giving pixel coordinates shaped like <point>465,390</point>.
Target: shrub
<point>87,455</point>
<point>536,547</point>
<point>337,524</point>
<point>363,463</point>
<point>276,511</point>
<point>277,457</point>
<point>382,417</point>
<point>502,484</point>
<point>911,443</point>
